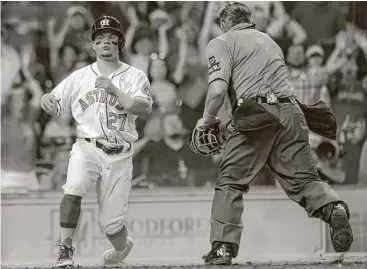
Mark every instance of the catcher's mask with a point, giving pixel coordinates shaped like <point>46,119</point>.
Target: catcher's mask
<point>207,141</point>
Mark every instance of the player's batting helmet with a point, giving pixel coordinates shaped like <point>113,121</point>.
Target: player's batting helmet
<point>108,23</point>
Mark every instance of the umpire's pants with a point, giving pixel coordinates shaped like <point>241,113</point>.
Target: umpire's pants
<point>287,152</point>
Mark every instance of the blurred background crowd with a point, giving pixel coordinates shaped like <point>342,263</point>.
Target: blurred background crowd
<point>325,47</point>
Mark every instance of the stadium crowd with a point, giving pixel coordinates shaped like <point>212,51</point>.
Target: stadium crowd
<point>324,43</point>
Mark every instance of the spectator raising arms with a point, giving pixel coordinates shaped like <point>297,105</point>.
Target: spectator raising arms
<point>167,41</point>
<point>10,64</point>
<point>139,42</point>
<point>321,21</point>
<point>62,57</point>
<point>349,104</point>
<point>19,131</point>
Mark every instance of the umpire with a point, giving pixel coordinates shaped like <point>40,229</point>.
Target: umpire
<point>269,127</point>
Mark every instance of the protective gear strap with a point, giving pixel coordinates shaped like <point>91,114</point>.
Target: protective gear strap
<point>70,208</point>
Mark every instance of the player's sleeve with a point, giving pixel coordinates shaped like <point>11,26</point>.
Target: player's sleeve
<point>218,58</point>
<point>142,88</point>
<point>63,92</point>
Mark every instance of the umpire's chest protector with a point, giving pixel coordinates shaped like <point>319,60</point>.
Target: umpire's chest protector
<point>251,116</point>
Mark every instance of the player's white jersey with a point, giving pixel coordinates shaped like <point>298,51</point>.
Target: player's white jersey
<point>98,114</point>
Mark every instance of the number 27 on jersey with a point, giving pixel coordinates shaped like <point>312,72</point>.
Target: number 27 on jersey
<point>116,121</point>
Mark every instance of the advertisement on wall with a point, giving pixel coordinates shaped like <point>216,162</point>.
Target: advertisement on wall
<point>169,228</point>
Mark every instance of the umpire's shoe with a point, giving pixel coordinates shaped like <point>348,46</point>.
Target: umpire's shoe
<point>113,258</point>
<point>220,254</point>
<point>65,257</point>
<point>340,230</point>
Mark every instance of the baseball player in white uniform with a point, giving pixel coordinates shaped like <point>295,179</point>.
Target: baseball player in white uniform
<point>105,98</point>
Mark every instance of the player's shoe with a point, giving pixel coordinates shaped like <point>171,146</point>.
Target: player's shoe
<point>340,230</point>
<point>65,257</point>
<point>221,255</point>
<point>113,257</point>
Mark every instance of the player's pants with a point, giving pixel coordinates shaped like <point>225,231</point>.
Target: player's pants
<point>288,154</point>
<point>112,173</point>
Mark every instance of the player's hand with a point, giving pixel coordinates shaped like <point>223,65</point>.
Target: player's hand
<point>106,84</point>
<point>49,103</point>
<point>206,123</point>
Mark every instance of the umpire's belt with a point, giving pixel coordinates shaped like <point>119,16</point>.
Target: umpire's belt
<point>110,150</point>
<point>263,100</point>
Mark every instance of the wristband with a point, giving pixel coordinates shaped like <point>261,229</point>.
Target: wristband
<point>125,100</point>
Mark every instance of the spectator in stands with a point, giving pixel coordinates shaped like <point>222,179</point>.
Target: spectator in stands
<point>363,159</point>
<point>318,74</point>
<point>349,106</point>
<point>68,56</point>
<point>170,162</point>
<point>140,42</point>
<point>351,43</point>
<point>60,133</point>
<point>210,27</point>
<point>308,78</point>
<point>157,18</point>
<point>19,131</point>
<point>62,56</point>
<point>321,20</point>
<point>190,73</point>
<point>79,30</point>
<point>164,92</point>
<point>303,86</point>
<point>270,17</point>
<point>25,21</point>
<point>82,63</point>
<point>10,63</point>
<point>362,175</point>
<point>143,10</point>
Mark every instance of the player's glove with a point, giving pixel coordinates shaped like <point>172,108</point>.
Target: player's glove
<point>207,141</point>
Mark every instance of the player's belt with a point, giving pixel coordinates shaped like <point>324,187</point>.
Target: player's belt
<point>109,150</point>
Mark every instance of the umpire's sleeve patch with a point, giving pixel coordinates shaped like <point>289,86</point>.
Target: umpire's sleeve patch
<point>214,65</point>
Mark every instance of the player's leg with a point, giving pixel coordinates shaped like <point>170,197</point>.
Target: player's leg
<point>293,163</point>
<point>82,170</point>
<point>244,156</point>
<point>113,191</point>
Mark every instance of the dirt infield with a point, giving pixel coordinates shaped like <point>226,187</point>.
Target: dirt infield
<point>329,261</point>
<point>236,266</point>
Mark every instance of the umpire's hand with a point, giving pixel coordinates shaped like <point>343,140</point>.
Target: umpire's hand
<point>204,123</point>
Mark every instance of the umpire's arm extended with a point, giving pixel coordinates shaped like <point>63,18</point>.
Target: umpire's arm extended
<point>218,59</point>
